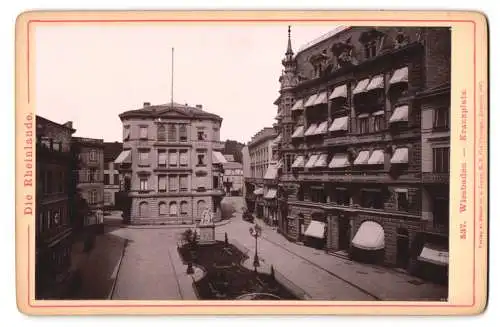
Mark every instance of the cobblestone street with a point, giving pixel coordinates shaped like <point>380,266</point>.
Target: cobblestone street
<point>151,268</point>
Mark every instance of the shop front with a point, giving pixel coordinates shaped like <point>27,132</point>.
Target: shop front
<point>432,253</point>
<point>315,233</point>
<point>271,207</point>
<point>368,244</point>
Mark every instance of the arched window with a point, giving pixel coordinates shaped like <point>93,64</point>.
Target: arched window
<point>143,209</point>
<point>161,134</point>
<point>173,209</point>
<point>201,205</point>
<point>162,208</point>
<point>184,208</point>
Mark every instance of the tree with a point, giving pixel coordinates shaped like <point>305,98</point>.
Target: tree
<point>234,148</point>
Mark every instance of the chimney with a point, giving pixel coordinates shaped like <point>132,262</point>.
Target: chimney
<point>68,124</point>
<point>147,104</point>
<point>199,106</point>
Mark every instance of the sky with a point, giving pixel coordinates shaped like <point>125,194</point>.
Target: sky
<point>89,74</point>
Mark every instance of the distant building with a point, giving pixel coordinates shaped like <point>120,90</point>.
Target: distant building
<point>111,173</point>
<point>245,154</point>
<point>53,231</point>
<point>171,163</point>
<point>261,186</point>
<point>90,176</point>
<point>233,178</point>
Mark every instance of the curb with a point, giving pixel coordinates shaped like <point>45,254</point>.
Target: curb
<point>217,224</point>
<point>110,294</point>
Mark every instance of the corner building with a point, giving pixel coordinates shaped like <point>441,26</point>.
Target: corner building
<point>171,163</point>
<point>358,175</point>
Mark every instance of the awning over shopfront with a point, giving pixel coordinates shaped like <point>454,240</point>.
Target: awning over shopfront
<point>311,161</point>
<point>434,254</point>
<point>258,191</point>
<point>377,157</point>
<point>315,229</point>
<point>400,156</point>
<point>299,132</point>
<point>322,160</point>
<point>370,236</point>
<point>310,101</point>
<point>339,124</point>
<point>218,158</point>
<point>361,86</point>
<point>400,114</point>
<point>298,162</point>
<point>339,160</point>
<point>272,171</point>
<point>339,92</point>
<point>311,129</point>
<point>399,76</point>
<point>321,99</point>
<point>124,157</point>
<point>271,193</point>
<point>298,105</point>
<point>377,82</point>
<point>362,158</point>
<point>322,128</point>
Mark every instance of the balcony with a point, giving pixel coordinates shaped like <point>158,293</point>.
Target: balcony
<point>436,178</point>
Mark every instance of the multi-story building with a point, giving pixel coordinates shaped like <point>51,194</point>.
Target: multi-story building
<point>53,203</point>
<point>171,163</point>
<point>89,175</point>
<point>245,155</point>
<point>261,186</point>
<point>111,173</point>
<point>233,177</point>
<point>363,116</point>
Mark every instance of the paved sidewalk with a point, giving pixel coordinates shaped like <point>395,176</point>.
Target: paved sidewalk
<point>384,283</point>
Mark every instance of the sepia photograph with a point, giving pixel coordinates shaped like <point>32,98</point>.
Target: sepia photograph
<point>153,185</point>
<point>191,163</point>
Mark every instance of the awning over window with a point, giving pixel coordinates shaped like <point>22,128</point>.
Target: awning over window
<point>361,86</point>
<point>399,114</point>
<point>322,160</point>
<point>321,99</point>
<point>362,158</point>
<point>299,105</point>
<point>272,171</point>
<point>299,132</point>
<point>434,254</point>
<point>124,157</point>
<point>339,160</point>
<point>339,124</point>
<point>339,92</point>
<point>258,191</point>
<point>400,156</point>
<point>315,229</point>
<point>322,128</point>
<point>298,162</point>
<point>365,115</point>
<point>377,157</point>
<point>399,76</point>
<point>377,82</point>
<point>311,100</point>
<point>218,158</point>
<point>311,129</point>
<point>270,194</point>
<point>277,140</point>
<point>378,113</point>
<point>370,236</point>
<point>312,160</point>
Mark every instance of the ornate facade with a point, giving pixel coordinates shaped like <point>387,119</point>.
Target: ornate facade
<point>171,165</point>
<point>363,117</point>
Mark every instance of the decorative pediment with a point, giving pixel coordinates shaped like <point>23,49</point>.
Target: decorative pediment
<point>370,35</point>
<point>319,58</point>
<point>174,113</point>
<point>343,52</point>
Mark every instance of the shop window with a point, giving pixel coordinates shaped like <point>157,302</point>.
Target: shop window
<point>441,160</point>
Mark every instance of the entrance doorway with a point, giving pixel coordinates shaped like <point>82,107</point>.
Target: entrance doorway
<point>344,232</point>
<point>403,248</point>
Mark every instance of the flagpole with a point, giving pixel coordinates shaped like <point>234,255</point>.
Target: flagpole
<point>172,82</point>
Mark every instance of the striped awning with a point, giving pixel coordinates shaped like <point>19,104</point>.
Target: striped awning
<point>377,157</point>
<point>339,160</point>
<point>312,160</point>
<point>339,92</point>
<point>400,156</point>
<point>322,128</point>
<point>311,129</point>
<point>321,99</point>
<point>312,99</point>
<point>322,160</point>
<point>339,124</point>
<point>124,157</point>
<point>299,105</point>
<point>399,76</point>
<point>299,132</point>
<point>361,86</point>
<point>377,82</point>
<point>370,236</point>
<point>362,158</point>
<point>400,114</point>
<point>298,162</point>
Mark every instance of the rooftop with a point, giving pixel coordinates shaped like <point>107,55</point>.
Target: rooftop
<point>322,38</point>
<point>112,150</point>
<point>262,135</point>
<point>170,109</point>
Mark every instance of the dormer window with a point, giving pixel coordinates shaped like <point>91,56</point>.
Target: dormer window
<point>370,49</point>
<point>371,40</point>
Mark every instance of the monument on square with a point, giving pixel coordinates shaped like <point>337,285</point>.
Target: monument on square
<point>206,227</point>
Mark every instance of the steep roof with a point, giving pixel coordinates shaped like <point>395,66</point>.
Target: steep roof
<point>174,110</point>
<point>112,150</point>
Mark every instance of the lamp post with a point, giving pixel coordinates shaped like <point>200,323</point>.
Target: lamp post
<point>256,231</point>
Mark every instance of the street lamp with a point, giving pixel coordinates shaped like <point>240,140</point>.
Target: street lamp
<point>255,231</point>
